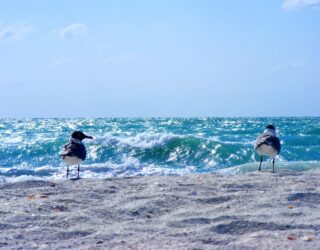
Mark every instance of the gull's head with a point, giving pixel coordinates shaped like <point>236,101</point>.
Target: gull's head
<point>270,126</point>
<point>79,135</point>
<point>270,129</point>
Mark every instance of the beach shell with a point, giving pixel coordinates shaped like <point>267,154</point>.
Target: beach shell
<point>23,212</point>
<point>31,196</point>
<point>291,237</point>
<point>308,238</point>
<point>43,196</point>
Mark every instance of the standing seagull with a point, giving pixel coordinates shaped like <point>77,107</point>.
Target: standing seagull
<point>74,151</point>
<point>268,144</point>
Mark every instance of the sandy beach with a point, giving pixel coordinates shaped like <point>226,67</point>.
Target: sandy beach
<point>257,210</point>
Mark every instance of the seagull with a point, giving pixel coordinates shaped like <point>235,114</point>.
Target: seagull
<point>74,152</point>
<point>268,144</point>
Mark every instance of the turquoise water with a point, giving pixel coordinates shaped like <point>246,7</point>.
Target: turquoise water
<point>30,148</point>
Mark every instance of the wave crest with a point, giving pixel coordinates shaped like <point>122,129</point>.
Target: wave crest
<point>143,140</point>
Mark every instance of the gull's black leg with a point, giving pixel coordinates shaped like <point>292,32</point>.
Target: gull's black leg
<point>260,163</point>
<point>272,165</point>
<point>78,170</point>
<point>68,172</point>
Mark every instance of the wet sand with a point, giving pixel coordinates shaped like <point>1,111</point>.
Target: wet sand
<point>257,210</point>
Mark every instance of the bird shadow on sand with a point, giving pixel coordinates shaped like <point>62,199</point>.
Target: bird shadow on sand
<point>266,171</point>
<point>75,179</point>
<point>280,172</point>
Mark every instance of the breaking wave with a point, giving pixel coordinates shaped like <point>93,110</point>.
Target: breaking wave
<point>29,148</point>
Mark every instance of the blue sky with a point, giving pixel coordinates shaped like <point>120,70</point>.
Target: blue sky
<point>73,58</point>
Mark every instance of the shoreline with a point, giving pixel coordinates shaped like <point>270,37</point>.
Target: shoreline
<point>193,211</point>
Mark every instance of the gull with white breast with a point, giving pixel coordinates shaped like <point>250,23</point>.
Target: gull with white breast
<point>268,144</point>
<point>74,152</point>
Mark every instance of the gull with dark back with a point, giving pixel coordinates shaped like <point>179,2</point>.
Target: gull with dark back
<point>74,152</point>
<point>268,144</point>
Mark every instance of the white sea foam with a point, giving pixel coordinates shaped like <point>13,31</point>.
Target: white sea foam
<point>131,167</point>
<point>143,140</point>
<point>267,165</point>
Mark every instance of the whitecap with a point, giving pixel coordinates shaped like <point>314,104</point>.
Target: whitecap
<point>143,140</point>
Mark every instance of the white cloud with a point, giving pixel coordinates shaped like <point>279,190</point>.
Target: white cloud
<point>72,30</point>
<point>15,32</point>
<point>297,4</point>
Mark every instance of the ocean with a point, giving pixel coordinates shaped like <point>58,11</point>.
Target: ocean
<point>29,148</point>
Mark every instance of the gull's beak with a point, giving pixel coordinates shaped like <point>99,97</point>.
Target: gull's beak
<point>88,137</point>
